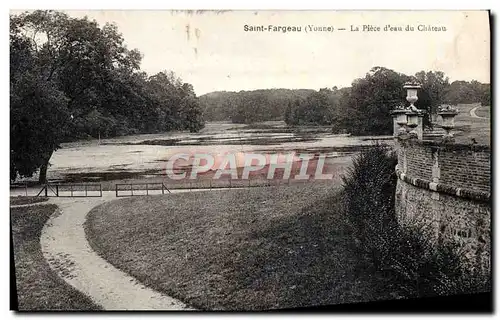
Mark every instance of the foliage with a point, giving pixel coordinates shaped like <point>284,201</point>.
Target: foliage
<point>367,107</point>
<point>432,94</point>
<point>39,114</point>
<point>249,106</point>
<point>72,79</point>
<point>361,109</point>
<point>468,92</point>
<point>369,185</point>
<point>314,109</point>
<point>417,267</point>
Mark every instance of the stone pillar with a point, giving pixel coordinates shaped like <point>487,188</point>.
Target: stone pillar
<point>415,124</point>
<point>399,120</point>
<point>436,171</point>
<point>420,126</point>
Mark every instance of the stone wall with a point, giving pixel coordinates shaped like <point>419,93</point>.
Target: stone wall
<point>446,186</point>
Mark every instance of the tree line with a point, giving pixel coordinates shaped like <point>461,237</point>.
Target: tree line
<point>249,106</point>
<point>72,79</point>
<point>363,108</point>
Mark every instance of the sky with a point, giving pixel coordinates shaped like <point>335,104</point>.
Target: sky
<point>213,52</point>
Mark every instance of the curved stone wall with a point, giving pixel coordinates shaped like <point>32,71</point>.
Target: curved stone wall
<point>447,187</point>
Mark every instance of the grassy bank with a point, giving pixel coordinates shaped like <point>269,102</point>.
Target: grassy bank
<point>483,111</point>
<point>255,249</point>
<point>38,287</point>
<point>467,127</point>
<point>22,200</point>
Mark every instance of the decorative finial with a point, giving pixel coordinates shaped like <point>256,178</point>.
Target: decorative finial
<point>400,107</point>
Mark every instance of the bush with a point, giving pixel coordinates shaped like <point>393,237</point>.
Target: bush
<point>416,266</point>
<point>369,186</point>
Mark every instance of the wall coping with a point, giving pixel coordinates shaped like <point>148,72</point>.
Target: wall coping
<point>481,196</point>
<point>446,146</point>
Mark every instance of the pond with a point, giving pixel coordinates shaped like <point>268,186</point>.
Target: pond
<point>145,156</point>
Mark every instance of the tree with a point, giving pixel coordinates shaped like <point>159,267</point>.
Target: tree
<point>432,94</point>
<point>71,79</point>
<point>39,119</point>
<point>176,103</point>
<point>190,110</point>
<point>287,117</point>
<point>70,60</point>
<point>39,115</point>
<point>462,92</point>
<point>371,99</point>
<point>249,106</point>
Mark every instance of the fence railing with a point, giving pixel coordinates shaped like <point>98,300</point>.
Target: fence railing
<point>71,190</point>
<point>140,189</point>
<point>145,188</point>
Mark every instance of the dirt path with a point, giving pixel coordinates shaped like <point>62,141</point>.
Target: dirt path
<point>474,115</point>
<point>67,251</point>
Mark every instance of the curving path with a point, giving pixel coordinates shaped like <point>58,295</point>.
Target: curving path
<point>67,251</point>
<point>474,115</point>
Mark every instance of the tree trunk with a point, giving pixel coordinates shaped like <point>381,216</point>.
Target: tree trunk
<point>42,178</point>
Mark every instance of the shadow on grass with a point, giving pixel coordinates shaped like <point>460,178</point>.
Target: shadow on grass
<point>308,260</point>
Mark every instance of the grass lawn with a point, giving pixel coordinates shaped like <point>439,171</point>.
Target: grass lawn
<point>38,287</point>
<point>20,200</point>
<point>254,249</point>
<point>483,111</point>
<point>467,127</point>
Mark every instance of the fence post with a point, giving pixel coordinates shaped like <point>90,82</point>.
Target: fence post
<point>147,191</point>
<point>162,190</point>
<point>57,190</point>
<point>46,192</point>
<point>116,190</point>
<point>100,190</point>
<point>131,190</point>
<point>71,189</point>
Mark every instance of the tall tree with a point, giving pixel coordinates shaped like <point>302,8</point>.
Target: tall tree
<point>432,94</point>
<point>71,78</point>
<point>39,116</point>
<point>372,98</point>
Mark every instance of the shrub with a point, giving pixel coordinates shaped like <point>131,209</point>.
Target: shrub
<point>404,253</point>
<point>369,186</point>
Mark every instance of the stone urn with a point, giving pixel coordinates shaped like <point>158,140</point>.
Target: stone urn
<point>411,92</point>
<point>412,113</point>
<point>448,114</point>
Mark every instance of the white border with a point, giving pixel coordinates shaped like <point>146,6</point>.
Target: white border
<point>186,4</point>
